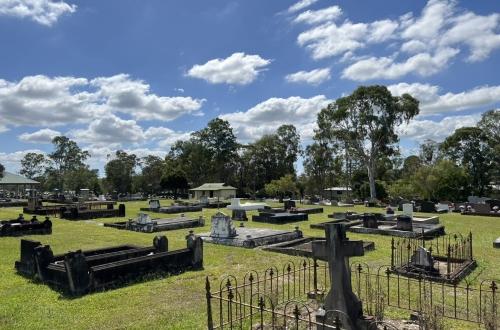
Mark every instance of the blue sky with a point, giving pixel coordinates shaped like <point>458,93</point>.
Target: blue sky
<point>137,75</point>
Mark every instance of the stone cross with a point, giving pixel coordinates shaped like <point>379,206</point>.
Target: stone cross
<point>336,250</point>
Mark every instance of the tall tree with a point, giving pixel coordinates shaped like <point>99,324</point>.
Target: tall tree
<point>120,171</point>
<point>490,125</point>
<point>429,152</point>
<point>67,156</point>
<point>152,171</point>
<point>218,138</point>
<point>288,140</point>
<point>175,181</point>
<point>322,168</point>
<point>470,148</point>
<point>366,122</point>
<point>33,165</point>
<point>2,169</point>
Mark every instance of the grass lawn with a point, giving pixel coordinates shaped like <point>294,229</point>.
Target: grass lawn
<point>178,302</point>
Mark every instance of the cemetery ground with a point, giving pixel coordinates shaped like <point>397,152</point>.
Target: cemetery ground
<point>178,301</point>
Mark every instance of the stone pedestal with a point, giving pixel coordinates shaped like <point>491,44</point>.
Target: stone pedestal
<point>404,223</point>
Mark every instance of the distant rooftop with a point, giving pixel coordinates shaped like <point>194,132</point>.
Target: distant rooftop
<point>15,179</point>
<point>213,187</point>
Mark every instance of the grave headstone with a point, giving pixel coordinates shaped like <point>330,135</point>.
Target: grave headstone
<point>239,215</point>
<point>289,204</point>
<point>370,220</point>
<point>154,204</point>
<point>337,249</point>
<point>422,258</point>
<point>222,226</point>
<point>408,210</point>
<point>427,206</point>
<point>404,222</point>
<point>144,219</point>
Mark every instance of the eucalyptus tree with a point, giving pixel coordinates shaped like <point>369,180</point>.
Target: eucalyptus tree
<point>366,122</point>
<point>33,165</point>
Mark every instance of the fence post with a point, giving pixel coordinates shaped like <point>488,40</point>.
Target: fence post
<point>296,314</point>
<point>470,245</point>
<point>493,288</point>
<point>261,308</point>
<point>315,277</point>
<point>337,323</point>
<point>392,253</point>
<point>210,322</point>
<point>448,257</point>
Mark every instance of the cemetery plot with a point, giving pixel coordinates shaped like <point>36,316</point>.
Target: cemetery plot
<point>20,226</point>
<point>303,246</point>
<point>13,203</point>
<point>154,206</point>
<point>489,208</point>
<point>92,210</point>
<point>443,259</point>
<point>81,272</point>
<point>291,207</point>
<point>279,218</point>
<point>35,206</point>
<point>223,232</point>
<point>144,223</point>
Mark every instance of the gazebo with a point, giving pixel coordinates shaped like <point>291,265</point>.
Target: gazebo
<point>11,182</point>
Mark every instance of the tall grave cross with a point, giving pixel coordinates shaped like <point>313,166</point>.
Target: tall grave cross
<point>336,250</point>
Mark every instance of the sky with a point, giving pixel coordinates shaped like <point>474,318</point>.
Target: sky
<point>139,75</point>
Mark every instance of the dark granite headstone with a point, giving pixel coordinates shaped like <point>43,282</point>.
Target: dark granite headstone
<point>289,204</point>
<point>239,215</point>
<point>404,222</point>
<point>370,220</point>
<point>427,206</point>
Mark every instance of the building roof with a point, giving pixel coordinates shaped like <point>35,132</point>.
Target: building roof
<point>338,189</point>
<point>14,179</point>
<point>213,187</point>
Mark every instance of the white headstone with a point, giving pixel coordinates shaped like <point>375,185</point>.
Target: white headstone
<point>154,204</point>
<point>408,210</point>
<point>222,226</point>
<point>422,258</point>
<point>235,203</point>
<point>144,219</point>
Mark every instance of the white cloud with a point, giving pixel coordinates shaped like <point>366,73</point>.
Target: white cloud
<point>12,160</point>
<point>111,129</point>
<point>51,101</point>
<point>427,43</point>
<point>423,64</point>
<point>122,94</point>
<point>44,135</point>
<point>330,39</point>
<point>421,130</point>
<point>265,117</point>
<point>319,16</point>
<point>237,69</point>
<point>45,12</point>
<point>314,77</point>
<point>301,5</point>
<point>432,102</point>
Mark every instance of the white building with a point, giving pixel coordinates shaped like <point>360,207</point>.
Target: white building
<point>214,190</point>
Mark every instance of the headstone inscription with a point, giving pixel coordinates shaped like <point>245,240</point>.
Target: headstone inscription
<point>336,250</point>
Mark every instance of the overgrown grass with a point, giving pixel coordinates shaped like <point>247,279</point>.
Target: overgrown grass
<point>178,302</point>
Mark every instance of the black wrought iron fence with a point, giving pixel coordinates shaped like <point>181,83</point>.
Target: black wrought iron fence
<point>464,302</point>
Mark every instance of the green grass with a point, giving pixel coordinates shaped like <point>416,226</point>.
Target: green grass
<point>178,302</point>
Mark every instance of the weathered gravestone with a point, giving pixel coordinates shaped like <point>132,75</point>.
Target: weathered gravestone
<point>154,204</point>
<point>408,210</point>
<point>222,226</point>
<point>422,258</point>
<point>336,250</point>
